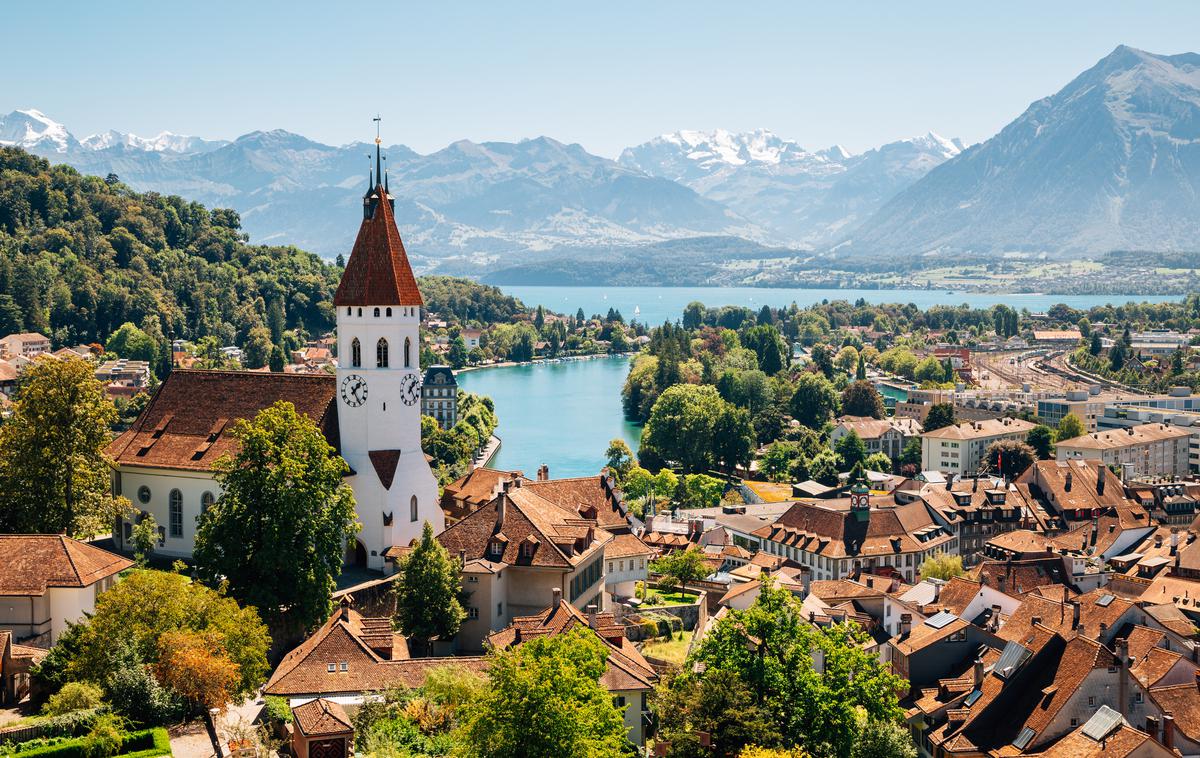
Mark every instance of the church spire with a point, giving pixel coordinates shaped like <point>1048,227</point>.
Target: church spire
<point>378,153</point>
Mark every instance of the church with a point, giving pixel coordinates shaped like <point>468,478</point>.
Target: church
<point>370,412</point>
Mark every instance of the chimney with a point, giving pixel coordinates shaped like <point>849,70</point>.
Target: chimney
<point>347,601</point>
<point>1069,482</point>
<point>975,483</point>
<point>591,616</point>
<point>1122,673</point>
<point>506,485</point>
<point>516,482</point>
<point>543,473</point>
<point>1074,614</point>
<point>462,558</point>
<point>555,597</point>
<point>1152,727</point>
<point>1174,541</point>
<point>500,501</point>
<point>1100,476</point>
<point>905,624</point>
<point>978,673</point>
<point>806,580</point>
<point>995,620</point>
<point>1168,731</point>
<point>1035,620</point>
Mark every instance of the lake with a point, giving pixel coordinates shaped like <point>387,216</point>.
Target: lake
<point>561,414</point>
<point>564,414</point>
<point>658,304</point>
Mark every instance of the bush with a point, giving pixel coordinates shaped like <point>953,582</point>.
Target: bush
<point>74,696</point>
<point>277,710</point>
<point>148,743</point>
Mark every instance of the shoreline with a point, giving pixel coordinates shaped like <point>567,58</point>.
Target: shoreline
<point>536,361</point>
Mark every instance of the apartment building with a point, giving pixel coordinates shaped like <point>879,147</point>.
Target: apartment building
<point>1145,450</point>
<point>960,449</point>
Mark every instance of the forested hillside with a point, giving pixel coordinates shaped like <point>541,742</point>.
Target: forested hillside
<point>80,256</point>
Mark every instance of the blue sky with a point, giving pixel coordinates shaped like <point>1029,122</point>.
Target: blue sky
<point>605,75</point>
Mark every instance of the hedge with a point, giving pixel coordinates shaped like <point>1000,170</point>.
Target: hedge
<point>147,743</point>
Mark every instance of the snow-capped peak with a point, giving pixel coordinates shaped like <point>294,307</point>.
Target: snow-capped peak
<point>32,128</point>
<point>935,143</point>
<point>167,142</point>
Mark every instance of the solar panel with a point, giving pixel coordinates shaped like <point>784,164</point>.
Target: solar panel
<point>975,695</point>
<point>1011,659</point>
<point>1104,600</point>
<point>1023,739</point>
<point>940,619</point>
<point>1102,723</point>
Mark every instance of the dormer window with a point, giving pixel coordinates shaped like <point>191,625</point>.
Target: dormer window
<point>331,667</point>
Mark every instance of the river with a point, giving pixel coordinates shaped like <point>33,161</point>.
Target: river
<point>654,305</point>
<point>564,414</point>
<point>561,414</point>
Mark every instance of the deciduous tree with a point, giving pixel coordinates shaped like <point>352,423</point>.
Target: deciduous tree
<point>815,400</point>
<point>278,533</point>
<point>1008,458</point>
<point>53,468</point>
<point>940,415</point>
<point>1070,427</point>
<point>681,567</point>
<point>942,566</point>
<point>544,700</point>
<point>861,399</point>
<point>1041,439</point>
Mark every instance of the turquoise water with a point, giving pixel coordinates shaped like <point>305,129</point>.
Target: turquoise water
<point>561,414</point>
<point>658,304</point>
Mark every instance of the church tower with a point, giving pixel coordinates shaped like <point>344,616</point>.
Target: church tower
<point>379,383</point>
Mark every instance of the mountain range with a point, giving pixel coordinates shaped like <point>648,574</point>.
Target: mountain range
<point>1111,161</point>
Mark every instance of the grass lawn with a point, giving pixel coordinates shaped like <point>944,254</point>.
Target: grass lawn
<point>663,597</point>
<point>673,650</point>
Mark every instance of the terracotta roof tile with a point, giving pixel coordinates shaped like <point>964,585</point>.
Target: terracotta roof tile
<point>321,718</point>
<point>580,493</point>
<point>1183,702</point>
<point>378,272</point>
<point>34,562</point>
<point>188,423</point>
<point>625,545</point>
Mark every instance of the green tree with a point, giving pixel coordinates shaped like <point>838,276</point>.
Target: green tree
<point>680,427</point>
<point>457,355</point>
<point>1041,439</point>
<point>776,463</point>
<point>942,566</point>
<point>772,649</point>
<point>823,467</point>
<point>278,533</point>
<point>1095,344</point>
<point>861,399</point>
<point>701,491</point>
<point>256,353</point>
<point>693,315</point>
<point>145,537</point>
<point>940,415</point>
<point>860,372</point>
<point>1069,427</point>
<point>146,607</point>
<point>719,705</point>
<point>846,359</point>
<point>681,567</point>
<point>428,588</point>
<point>883,739</point>
<point>1009,458</point>
<point>930,370</point>
<point>666,483</point>
<point>911,455</point>
<point>878,462</point>
<point>619,459</point>
<point>74,696</point>
<point>544,700</point>
<point>53,465</point>
<point>851,450</point>
<point>278,359</point>
<point>733,438</point>
<point>815,400</point>
<point>132,343</point>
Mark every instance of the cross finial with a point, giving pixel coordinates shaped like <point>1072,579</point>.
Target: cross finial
<point>378,153</point>
<point>377,119</point>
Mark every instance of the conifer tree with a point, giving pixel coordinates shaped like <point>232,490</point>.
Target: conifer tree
<point>428,591</point>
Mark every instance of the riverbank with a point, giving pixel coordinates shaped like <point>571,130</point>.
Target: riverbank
<point>537,361</point>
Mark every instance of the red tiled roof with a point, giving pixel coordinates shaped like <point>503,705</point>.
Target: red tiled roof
<point>581,492</point>
<point>1183,702</point>
<point>625,545</point>
<point>363,644</point>
<point>321,718</point>
<point>34,562</point>
<point>378,272</point>
<point>625,668</point>
<point>188,422</point>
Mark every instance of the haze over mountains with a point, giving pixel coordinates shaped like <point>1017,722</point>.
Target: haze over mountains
<point>1112,161</point>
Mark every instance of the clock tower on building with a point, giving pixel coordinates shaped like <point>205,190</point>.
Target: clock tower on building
<point>379,383</point>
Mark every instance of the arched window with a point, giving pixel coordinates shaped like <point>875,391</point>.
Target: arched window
<point>412,509</point>
<point>175,501</point>
<point>407,353</point>
<point>349,311</point>
<point>355,353</point>
<point>376,313</point>
<point>389,312</point>
<point>360,312</point>
<point>206,501</point>
<point>381,353</point>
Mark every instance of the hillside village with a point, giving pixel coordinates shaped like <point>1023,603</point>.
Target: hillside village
<point>993,522</point>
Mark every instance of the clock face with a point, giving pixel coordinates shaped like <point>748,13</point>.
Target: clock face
<point>410,389</point>
<point>354,390</point>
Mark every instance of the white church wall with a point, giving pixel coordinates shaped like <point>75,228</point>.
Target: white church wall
<point>191,484</point>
